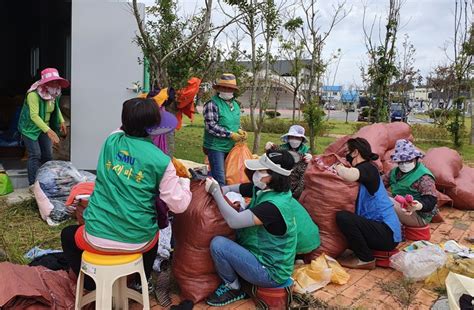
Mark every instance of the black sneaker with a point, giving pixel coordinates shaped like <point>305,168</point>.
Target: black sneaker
<point>135,285</point>
<point>225,295</point>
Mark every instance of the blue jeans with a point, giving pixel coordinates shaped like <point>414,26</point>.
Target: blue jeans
<point>217,163</point>
<point>232,260</point>
<point>39,152</point>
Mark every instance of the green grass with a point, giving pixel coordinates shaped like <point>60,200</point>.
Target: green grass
<point>21,228</point>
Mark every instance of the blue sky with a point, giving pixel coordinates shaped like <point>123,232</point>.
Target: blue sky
<point>429,24</point>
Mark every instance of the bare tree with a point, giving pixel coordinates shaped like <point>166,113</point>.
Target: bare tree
<point>381,68</point>
<point>314,39</point>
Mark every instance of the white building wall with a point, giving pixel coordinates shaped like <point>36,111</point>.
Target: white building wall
<point>104,63</point>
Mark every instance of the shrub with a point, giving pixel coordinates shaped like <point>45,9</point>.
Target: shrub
<point>272,114</point>
<point>427,132</point>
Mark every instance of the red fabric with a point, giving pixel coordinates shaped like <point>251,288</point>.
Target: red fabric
<point>185,100</point>
<point>382,258</point>
<point>35,288</point>
<point>445,164</point>
<point>83,245</point>
<point>84,188</point>
<point>417,233</point>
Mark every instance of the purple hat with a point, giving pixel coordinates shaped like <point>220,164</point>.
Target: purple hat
<point>405,151</point>
<point>168,123</point>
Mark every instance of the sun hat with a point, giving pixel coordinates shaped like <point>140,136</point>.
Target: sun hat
<point>168,123</point>
<point>52,74</point>
<point>294,131</point>
<point>405,151</point>
<point>226,80</point>
<point>273,161</point>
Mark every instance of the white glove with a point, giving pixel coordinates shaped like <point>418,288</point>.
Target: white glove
<point>211,185</point>
<point>415,206</point>
<point>184,182</point>
<point>269,145</point>
<point>307,157</point>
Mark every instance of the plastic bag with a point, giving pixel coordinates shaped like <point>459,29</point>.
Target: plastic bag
<point>52,187</point>
<point>6,186</point>
<point>234,164</point>
<point>419,263</point>
<point>181,170</point>
<point>463,266</point>
<point>319,273</point>
<point>456,286</point>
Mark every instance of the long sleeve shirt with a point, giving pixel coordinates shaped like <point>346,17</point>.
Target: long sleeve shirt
<point>33,103</point>
<point>211,119</point>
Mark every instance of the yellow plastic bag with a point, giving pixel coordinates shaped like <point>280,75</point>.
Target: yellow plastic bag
<point>319,273</point>
<point>235,164</point>
<point>462,266</point>
<point>181,170</point>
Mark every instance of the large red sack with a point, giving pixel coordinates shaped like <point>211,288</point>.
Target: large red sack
<point>338,147</point>
<point>445,164</point>
<point>326,193</point>
<point>463,194</point>
<point>193,231</point>
<point>387,163</point>
<point>443,200</point>
<point>396,131</point>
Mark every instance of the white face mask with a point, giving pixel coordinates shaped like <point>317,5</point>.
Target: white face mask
<point>226,96</point>
<point>406,167</point>
<point>257,179</point>
<point>294,143</point>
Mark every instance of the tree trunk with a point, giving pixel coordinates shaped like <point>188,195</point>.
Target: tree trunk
<point>295,94</point>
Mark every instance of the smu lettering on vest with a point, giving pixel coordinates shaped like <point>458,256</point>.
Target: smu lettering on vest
<point>122,207</point>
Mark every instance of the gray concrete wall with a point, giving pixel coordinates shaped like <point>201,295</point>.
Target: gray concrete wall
<point>104,63</point>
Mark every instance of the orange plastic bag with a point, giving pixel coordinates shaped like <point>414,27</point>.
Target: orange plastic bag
<point>181,170</point>
<point>235,164</point>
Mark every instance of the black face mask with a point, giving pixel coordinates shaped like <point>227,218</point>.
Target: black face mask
<point>349,158</point>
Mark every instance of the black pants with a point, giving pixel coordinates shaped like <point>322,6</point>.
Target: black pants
<point>73,255</point>
<point>365,235</point>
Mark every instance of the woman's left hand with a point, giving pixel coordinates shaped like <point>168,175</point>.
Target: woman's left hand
<point>63,129</point>
<point>414,206</point>
<point>307,157</point>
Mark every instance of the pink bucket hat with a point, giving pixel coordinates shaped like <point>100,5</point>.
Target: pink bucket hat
<point>52,74</point>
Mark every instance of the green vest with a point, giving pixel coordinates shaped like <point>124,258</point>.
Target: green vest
<point>28,128</point>
<point>307,230</point>
<point>122,206</point>
<point>276,253</point>
<point>230,120</point>
<point>302,149</point>
<point>403,187</point>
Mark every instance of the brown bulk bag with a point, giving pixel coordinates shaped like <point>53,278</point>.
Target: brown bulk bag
<point>387,163</point>
<point>397,131</point>
<point>443,200</point>
<point>326,193</point>
<point>193,231</point>
<point>445,164</point>
<point>338,147</point>
<point>463,194</point>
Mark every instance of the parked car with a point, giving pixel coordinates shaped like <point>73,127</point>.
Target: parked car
<point>398,113</point>
<point>363,115</point>
<point>330,106</point>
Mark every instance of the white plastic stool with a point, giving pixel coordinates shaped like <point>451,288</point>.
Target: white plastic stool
<point>105,270</point>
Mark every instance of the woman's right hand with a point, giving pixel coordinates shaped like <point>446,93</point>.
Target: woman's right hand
<point>53,136</point>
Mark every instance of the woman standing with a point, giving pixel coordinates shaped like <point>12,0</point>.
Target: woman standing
<point>41,119</point>
<point>374,225</point>
<point>222,123</point>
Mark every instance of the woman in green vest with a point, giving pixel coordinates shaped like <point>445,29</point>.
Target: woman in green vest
<point>270,232</point>
<point>411,177</point>
<point>222,125</point>
<point>41,119</point>
<point>121,216</point>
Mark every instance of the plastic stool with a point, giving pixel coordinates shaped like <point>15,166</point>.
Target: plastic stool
<point>275,298</point>
<point>382,258</point>
<point>105,270</point>
<point>417,233</point>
